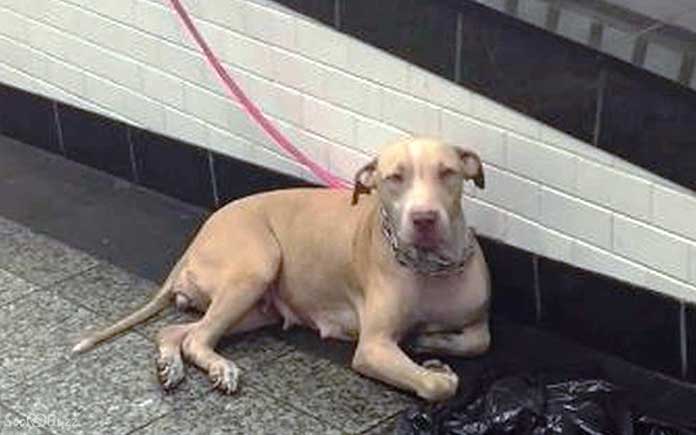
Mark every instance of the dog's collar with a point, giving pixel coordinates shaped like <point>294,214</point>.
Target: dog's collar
<point>422,261</point>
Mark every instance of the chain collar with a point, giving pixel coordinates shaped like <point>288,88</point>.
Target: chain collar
<point>422,261</point>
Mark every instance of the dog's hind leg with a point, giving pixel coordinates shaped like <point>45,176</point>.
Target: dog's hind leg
<point>238,293</point>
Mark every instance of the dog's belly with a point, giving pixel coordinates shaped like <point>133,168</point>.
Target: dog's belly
<point>331,319</point>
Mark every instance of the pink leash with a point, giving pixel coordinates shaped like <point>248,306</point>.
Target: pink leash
<point>252,110</point>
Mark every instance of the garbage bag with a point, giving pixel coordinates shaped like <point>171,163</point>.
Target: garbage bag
<point>536,405</point>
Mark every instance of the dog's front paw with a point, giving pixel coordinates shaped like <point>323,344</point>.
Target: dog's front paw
<point>224,376</point>
<point>440,382</point>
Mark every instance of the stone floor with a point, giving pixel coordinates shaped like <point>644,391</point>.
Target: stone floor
<point>79,249</point>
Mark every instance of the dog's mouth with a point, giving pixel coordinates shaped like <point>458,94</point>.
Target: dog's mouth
<point>428,240</point>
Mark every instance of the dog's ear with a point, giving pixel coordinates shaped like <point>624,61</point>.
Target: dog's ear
<point>364,180</point>
<point>473,169</point>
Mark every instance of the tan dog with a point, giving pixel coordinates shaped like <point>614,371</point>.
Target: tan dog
<point>373,268</point>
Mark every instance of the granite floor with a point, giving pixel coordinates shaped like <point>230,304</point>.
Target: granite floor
<point>79,248</point>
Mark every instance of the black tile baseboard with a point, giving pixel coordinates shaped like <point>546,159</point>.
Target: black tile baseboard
<point>612,316</point>
<point>690,342</point>
<point>512,281</point>
<point>29,118</point>
<point>96,141</point>
<point>236,179</point>
<point>640,325</point>
<point>169,166</point>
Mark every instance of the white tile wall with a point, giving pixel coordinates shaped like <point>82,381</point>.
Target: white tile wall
<point>339,100</point>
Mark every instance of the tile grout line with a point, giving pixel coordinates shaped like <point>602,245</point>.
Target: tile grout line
<point>458,43</point>
<point>46,287</point>
<point>599,109</point>
<point>59,129</point>
<point>337,15</point>
<point>131,155</point>
<point>213,178</point>
<point>537,288</point>
<point>683,341</point>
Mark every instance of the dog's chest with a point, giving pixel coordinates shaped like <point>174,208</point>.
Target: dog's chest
<point>447,305</point>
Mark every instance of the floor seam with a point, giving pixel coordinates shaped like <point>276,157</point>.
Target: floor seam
<point>44,287</point>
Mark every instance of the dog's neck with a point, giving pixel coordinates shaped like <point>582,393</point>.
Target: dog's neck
<point>424,261</point>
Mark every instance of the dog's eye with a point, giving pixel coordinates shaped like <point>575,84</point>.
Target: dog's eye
<point>395,178</point>
<point>447,172</point>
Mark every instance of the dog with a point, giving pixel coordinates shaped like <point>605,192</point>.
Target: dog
<point>391,259</point>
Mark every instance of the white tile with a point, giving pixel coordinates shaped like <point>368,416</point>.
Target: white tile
<point>229,13</point>
<point>574,26</point>
<point>186,128</point>
<point>621,192</point>
<point>314,147</point>
<point>13,25</point>
<point>675,211</point>
<point>573,145</point>
<point>486,219</point>
<point>21,57</point>
<point>275,100</point>
<point>533,12</point>
<point>618,43</point>
<point>462,131</point>
<point>430,87</point>
<point>68,77</point>
<point>183,63</point>
<point>536,238</point>
<point>122,10</point>
<point>239,50</point>
<point>511,192</point>
<point>163,87</point>
<point>652,247</point>
<point>491,112</point>
<point>329,121</point>
<point>410,114</point>
<point>148,113</point>
<point>228,144</point>
<point>276,161</point>
<point>662,60</point>
<point>371,135</point>
<point>106,64</point>
<point>670,286</point>
<point>158,20</point>
<point>606,263</point>
<point>377,65</point>
<point>300,73</point>
<point>539,162</point>
<point>352,93</point>
<point>270,26</point>
<point>576,218</point>
<point>345,161</point>
<point>321,43</point>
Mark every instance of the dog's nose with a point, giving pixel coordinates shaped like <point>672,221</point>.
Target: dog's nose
<point>424,220</point>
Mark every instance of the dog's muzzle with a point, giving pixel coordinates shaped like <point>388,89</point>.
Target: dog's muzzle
<point>425,261</point>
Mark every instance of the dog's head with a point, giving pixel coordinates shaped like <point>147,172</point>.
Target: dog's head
<point>419,184</point>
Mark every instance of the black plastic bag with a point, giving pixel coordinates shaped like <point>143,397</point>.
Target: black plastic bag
<point>536,405</point>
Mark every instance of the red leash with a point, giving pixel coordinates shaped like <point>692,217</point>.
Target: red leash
<point>252,110</point>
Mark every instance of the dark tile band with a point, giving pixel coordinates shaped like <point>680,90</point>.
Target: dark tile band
<point>643,118</point>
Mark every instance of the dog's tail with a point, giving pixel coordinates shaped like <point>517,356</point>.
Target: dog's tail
<point>161,300</point>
